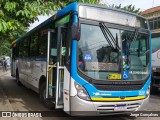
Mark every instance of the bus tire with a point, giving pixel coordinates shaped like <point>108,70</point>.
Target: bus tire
<point>17,78</point>
<point>47,103</point>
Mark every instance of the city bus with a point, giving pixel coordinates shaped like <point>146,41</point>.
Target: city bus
<point>87,60</point>
<point>155,82</point>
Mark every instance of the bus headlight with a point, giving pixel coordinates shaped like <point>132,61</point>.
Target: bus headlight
<point>81,92</point>
<point>148,92</point>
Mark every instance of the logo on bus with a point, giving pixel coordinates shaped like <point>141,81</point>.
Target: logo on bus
<point>87,57</point>
<point>141,92</point>
<point>122,97</point>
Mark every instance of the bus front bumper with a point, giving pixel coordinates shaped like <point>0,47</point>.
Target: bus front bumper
<point>81,107</point>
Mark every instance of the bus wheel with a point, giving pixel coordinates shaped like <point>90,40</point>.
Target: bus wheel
<point>49,104</point>
<point>17,78</point>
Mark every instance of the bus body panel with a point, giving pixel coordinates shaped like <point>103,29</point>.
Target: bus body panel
<point>155,46</point>
<point>98,108</point>
<point>66,90</point>
<point>90,108</point>
<point>93,92</point>
<point>30,72</point>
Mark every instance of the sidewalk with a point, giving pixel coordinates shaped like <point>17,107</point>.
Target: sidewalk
<point>5,104</point>
<point>2,73</point>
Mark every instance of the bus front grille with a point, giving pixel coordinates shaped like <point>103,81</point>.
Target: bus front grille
<point>117,87</point>
<point>107,109</point>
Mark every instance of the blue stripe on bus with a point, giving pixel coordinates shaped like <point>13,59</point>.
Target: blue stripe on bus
<point>92,91</point>
<point>74,73</point>
<point>71,7</point>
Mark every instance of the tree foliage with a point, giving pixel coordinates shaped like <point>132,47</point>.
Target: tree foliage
<point>129,8</point>
<point>17,15</point>
<point>20,13</point>
<point>5,48</point>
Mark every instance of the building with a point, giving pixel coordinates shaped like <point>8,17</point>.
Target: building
<point>153,16</point>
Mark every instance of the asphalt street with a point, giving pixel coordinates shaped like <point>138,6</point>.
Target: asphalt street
<point>19,98</point>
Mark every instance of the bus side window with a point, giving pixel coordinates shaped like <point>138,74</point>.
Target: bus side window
<point>23,48</point>
<point>53,48</point>
<point>42,46</point>
<point>33,45</point>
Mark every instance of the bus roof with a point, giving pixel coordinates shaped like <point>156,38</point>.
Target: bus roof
<point>109,8</point>
<point>71,7</point>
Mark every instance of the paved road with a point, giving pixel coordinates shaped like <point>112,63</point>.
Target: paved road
<point>19,98</point>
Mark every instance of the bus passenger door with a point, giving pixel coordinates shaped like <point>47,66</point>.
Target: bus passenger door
<point>55,66</point>
<point>51,66</point>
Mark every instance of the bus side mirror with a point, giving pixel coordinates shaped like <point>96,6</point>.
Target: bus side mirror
<point>75,31</point>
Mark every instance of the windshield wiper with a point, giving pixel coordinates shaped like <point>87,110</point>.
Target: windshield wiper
<point>131,39</point>
<point>106,31</point>
<point>105,35</point>
<point>134,38</point>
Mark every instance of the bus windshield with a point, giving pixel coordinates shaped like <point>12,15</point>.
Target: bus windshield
<point>101,51</point>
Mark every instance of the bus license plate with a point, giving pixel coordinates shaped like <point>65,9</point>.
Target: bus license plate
<point>120,108</point>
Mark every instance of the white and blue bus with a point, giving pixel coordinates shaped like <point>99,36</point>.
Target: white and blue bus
<point>87,60</point>
<point>155,82</point>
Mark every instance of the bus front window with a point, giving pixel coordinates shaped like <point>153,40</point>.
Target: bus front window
<point>100,54</point>
<point>97,56</point>
<point>138,56</point>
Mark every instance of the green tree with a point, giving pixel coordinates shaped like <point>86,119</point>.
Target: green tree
<point>129,8</point>
<point>5,48</point>
<point>17,15</point>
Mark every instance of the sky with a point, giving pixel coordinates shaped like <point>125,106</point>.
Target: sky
<point>41,18</point>
<point>142,4</point>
